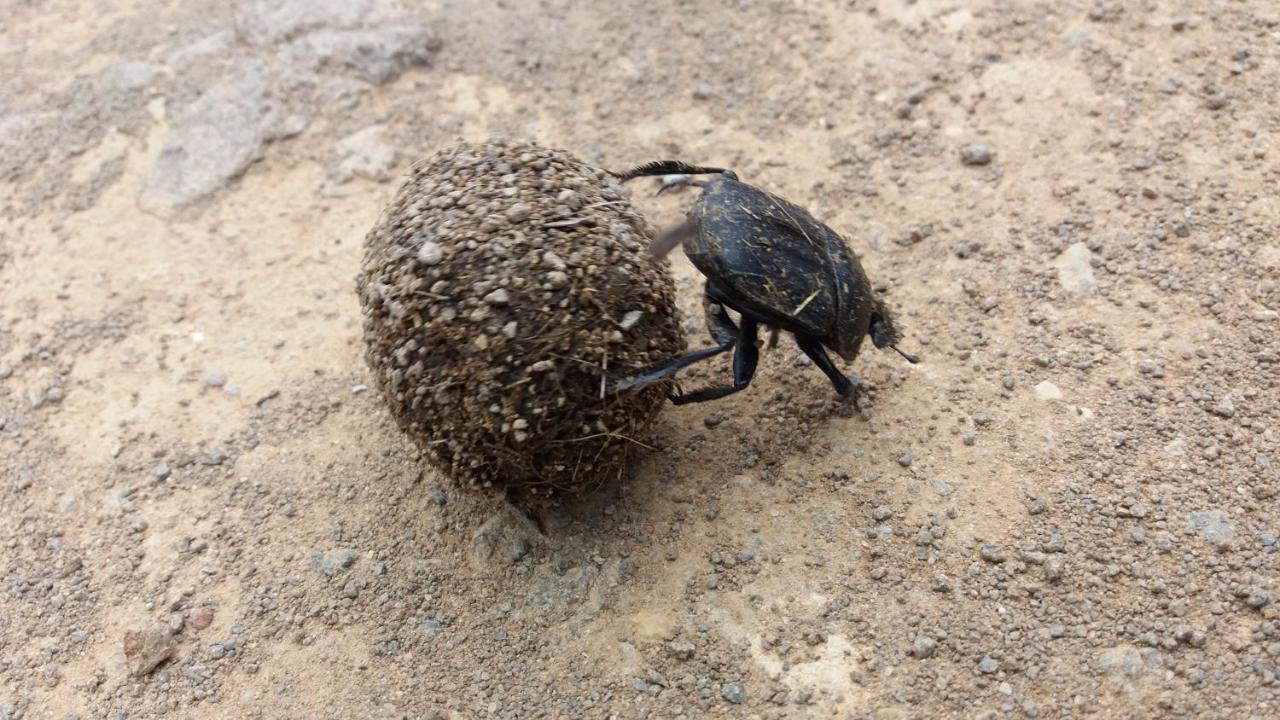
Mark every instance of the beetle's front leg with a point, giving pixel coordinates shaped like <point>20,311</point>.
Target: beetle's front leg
<point>818,354</point>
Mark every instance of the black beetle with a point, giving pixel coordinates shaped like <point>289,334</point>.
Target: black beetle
<point>775,265</point>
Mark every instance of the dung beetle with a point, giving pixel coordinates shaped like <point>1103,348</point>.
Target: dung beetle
<point>775,265</point>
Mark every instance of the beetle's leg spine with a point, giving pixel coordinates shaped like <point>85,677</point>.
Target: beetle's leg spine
<point>665,167</point>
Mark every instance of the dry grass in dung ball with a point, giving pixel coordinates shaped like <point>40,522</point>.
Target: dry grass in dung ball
<point>501,287</point>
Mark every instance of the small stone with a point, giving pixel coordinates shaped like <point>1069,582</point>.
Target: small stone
<point>882,513</point>
<point>519,212</point>
<point>214,457</point>
<point>991,552</point>
<point>519,549</point>
<point>1055,543</point>
<point>145,649</point>
<point>161,472</point>
<point>975,154</point>
<point>201,618</point>
<point>942,487</point>
<point>498,297</point>
<point>734,693</point>
<point>969,437</point>
<point>923,647</point>
<point>6,371</point>
<point>680,649</point>
<point>905,459</point>
<point>1046,390</point>
<point>333,561</point>
<point>215,379</point>
<point>216,651</point>
<point>988,665</point>
<point>1075,271</point>
<point>360,388</point>
<point>1213,525</point>
<point>1008,382</point>
<point>1257,598</point>
<point>430,253</point>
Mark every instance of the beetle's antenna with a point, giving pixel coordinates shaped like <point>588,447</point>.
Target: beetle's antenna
<point>665,167</point>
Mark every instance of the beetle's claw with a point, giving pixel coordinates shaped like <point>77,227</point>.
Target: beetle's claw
<point>674,182</point>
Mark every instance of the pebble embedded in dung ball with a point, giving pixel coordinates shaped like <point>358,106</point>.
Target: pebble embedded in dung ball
<point>500,289</point>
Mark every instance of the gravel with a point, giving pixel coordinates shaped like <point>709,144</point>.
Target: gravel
<point>734,693</point>
<point>975,154</point>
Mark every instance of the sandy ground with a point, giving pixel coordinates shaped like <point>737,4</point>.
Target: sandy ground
<point>1069,509</point>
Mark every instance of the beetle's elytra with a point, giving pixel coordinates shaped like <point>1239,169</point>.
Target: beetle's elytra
<point>775,265</point>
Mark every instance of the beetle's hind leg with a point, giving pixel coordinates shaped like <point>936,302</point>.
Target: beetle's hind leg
<point>723,331</point>
<point>818,354</point>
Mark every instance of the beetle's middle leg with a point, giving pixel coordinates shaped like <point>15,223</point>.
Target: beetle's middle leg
<point>818,354</point>
<point>745,357</point>
<point>723,331</point>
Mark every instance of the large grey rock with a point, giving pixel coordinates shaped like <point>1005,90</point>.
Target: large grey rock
<point>365,154</point>
<point>267,22</point>
<point>215,138</point>
<point>376,54</point>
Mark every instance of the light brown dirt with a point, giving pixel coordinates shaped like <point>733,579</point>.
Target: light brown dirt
<point>1086,523</point>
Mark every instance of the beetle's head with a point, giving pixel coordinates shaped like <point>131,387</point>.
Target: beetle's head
<point>884,334</point>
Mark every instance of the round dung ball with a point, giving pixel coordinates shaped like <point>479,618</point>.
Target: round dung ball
<point>502,289</point>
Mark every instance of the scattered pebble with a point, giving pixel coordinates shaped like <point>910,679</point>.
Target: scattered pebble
<point>145,649</point>
<point>331,562</point>
<point>975,154</point>
<point>734,693</point>
<point>991,552</point>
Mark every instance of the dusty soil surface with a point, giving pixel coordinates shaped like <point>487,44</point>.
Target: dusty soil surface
<point>1069,509</point>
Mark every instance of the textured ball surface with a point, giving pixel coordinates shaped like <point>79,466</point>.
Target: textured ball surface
<point>500,289</point>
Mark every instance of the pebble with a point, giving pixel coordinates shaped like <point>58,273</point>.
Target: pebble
<point>882,513</point>
<point>991,552</point>
<point>359,388</point>
<point>734,693</point>
<point>498,297</point>
<point>1213,525</point>
<point>1075,270</point>
<point>6,371</point>
<point>430,253</point>
<point>215,379</point>
<point>145,649</point>
<point>201,618</point>
<point>988,665</point>
<point>161,472</point>
<point>680,649</point>
<point>1046,390</point>
<point>905,459</point>
<point>923,647</point>
<point>969,437</point>
<point>332,561</point>
<point>975,154</point>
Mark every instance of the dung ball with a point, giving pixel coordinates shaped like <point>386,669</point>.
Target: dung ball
<point>501,290</point>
